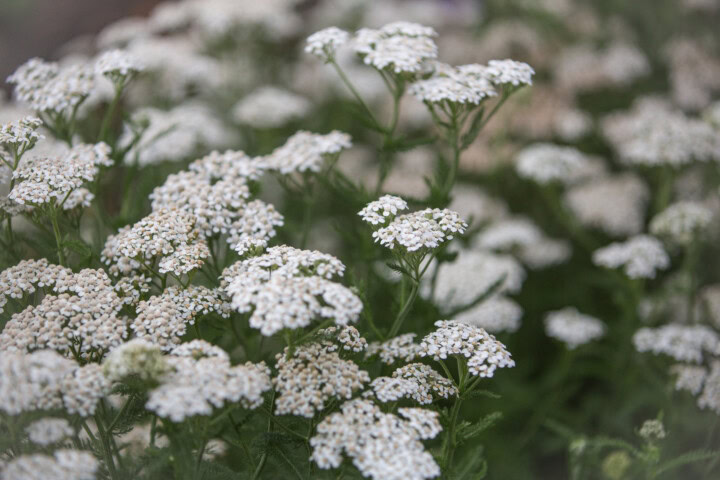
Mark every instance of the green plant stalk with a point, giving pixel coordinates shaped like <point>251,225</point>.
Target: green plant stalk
<point>356,94</point>
<point>102,136</point>
<point>263,458</point>
<point>414,287</point>
<point>58,236</point>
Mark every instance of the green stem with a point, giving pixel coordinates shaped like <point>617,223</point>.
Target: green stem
<point>357,96</point>
<point>263,458</point>
<point>109,114</point>
<point>405,310</point>
<point>450,440</point>
<point>58,236</point>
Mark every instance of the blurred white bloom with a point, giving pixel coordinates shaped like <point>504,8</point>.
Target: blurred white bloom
<point>24,278</point>
<point>324,44</point>
<point>46,87</point>
<point>615,204</point>
<point>522,237</point>
<point>483,352</point>
<point>685,343</point>
<point>694,71</point>
<point>63,465</point>
<point>306,151</point>
<point>496,314</point>
<point>381,445</point>
<point>681,222</point>
<point>198,384</point>
<point>117,65</point>
<point>651,134</point>
<point>138,357</point>
<point>474,204</point>
<point>689,377</point>
<point>584,68</point>
<point>652,430</point>
<point>400,47</point>
<point>545,163</point>
<point>641,256</point>
<point>710,397</point>
<point>174,135</point>
<point>472,274</point>
<point>572,327</point>
<point>401,348</point>
<point>270,107</point>
<point>47,431</point>
<point>383,209</point>
<point>312,375</point>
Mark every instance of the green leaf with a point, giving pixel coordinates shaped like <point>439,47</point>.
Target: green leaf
<point>482,393</point>
<point>474,129</point>
<point>684,459</point>
<point>472,430</point>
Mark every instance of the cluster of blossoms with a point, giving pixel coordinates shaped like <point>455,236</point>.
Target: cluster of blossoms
<point>164,318</point>
<point>375,440</point>
<point>641,256</point>
<point>422,230</point>
<point>307,152</point>
<point>82,315</point>
<point>400,348</point>
<point>415,381</point>
<point>289,288</point>
<point>48,431</point>
<point>483,352</point>
<point>572,327</point>
<point>45,380</point>
<point>496,314</point>
<point>51,180</point>
<point>399,47</point>
<point>166,237</point>
<point>682,222</point>
<point>686,343</point>
<point>270,107</point>
<point>523,238</point>
<point>614,204</point>
<point>545,163</point>
<point>64,464</point>
<point>311,375</point>
<point>653,135</point>
<point>19,136</point>
<point>215,192</point>
<point>201,378</point>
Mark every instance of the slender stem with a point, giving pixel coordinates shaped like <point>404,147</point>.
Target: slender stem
<point>58,236</point>
<point>355,93</point>
<point>415,286</point>
<point>450,441</point>
<point>263,458</point>
<point>110,113</point>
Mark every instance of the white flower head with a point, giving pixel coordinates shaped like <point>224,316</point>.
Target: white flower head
<point>572,327</point>
<point>641,256</point>
<point>681,222</point>
<point>383,209</point>
<point>324,44</point>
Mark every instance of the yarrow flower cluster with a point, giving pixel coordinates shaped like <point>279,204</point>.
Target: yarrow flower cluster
<point>545,163</point>
<point>400,47</point>
<point>681,222</point>
<point>572,327</point>
<point>496,314</point>
<point>424,229</point>
<point>118,65</point>
<point>307,152</point>
<point>64,464</point>
<point>20,135</point>
<point>375,440</point>
<point>46,87</point>
<point>48,431</point>
<point>289,288</point>
<point>82,315</point>
<point>400,348</point>
<point>167,237</point>
<point>138,358</point>
<point>483,352</point>
<point>310,376</point>
<point>44,380</point>
<point>324,43</point>
<point>641,256</point>
<point>415,381</point>
<point>202,379</point>
<point>466,84</point>
<point>270,107</point>
<point>51,180</point>
<point>686,343</point>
